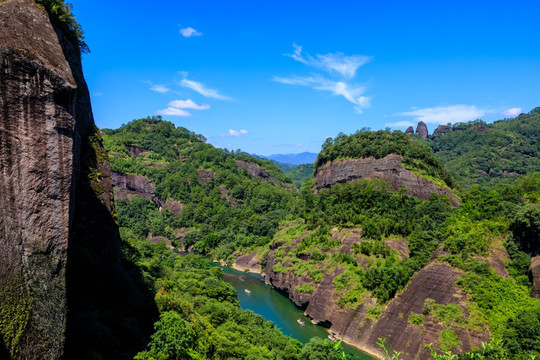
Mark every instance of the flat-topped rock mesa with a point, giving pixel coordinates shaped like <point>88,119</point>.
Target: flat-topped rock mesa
<point>388,168</point>
<point>59,243</point>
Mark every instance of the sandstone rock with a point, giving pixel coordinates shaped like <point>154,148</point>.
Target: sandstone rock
<point>441,130</point>
<point>205,175</point>
<point>249,262</point>
<point>59,244</point>
<point>534,272</point>
<point>137,151</point>
<point>257,172</point>
<point>388,168</point>
<point>421,130</point>
<point>410,130</point>
<point>225,195</point>
<point>127,185</point>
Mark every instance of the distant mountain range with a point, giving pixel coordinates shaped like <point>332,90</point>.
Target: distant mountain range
<point>294,159</point>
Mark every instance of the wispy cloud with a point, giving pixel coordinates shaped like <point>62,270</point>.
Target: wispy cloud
<point>515,111</point>
<point>176,108</point>
<point>338,62</point>
<point>189,32</point>
<point>187,104</point>
<point>160,89</point>
<point>351,92</point>
<point>234,133</point>
<point>441,115</point>
<point>171,111</point>
<point>203,90</point>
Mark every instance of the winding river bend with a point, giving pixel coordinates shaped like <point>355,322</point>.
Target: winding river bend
<point>273,306</point>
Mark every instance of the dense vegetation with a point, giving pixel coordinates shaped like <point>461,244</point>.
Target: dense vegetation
<point>223,206</point>
<point>478,153</point>
<point>299,174</point>
<point>226,211</point>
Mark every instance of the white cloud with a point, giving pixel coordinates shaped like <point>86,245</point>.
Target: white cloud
<point>515,111</point>
<point>203,90</point>
<point>351,92</point>
<point>234,133</point>
<point>442,115</point>
<point>338,62</point>
<point>334,63</point>
<point>189,32</point>
<point>171,111</point>
<point>400,124</point>
<point>160,89</point>
<point>187,104</point>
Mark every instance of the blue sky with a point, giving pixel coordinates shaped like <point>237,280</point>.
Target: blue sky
<point>281,76</point>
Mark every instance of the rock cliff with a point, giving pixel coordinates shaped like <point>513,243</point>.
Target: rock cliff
<point>434,284</point>
<point>535,275</point>
<point>60,257</point>
<point>388,168</point>
<point>421,130</point>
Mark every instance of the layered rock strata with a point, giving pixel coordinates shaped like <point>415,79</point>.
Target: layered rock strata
<point>388,168</point>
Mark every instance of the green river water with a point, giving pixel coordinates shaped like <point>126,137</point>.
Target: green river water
<point>273,306</point>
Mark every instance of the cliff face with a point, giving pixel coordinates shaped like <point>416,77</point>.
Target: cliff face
<point>434,284</point>
<point>388,168</point>
<point>59,243</point>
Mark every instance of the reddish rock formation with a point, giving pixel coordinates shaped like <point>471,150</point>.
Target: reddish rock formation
<point>410,130</point>
<point>249,262</point>
<point>137,151</point>
<point>421,130</point>
<point>129,185</point>
<point>205,175</point>
<point>59,245</point>
<point>388,168</point>
<point>225,195</point>
<point>257,172</point>
<point>441,130</point>
<point>535,274</point>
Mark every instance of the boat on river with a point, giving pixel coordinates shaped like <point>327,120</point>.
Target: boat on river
<point>332,338</point>
<point>247,291</point>
<point>301,322</point>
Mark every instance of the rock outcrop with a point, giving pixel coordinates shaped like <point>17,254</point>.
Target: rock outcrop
<point>535,275</point>
<point>59,245</point>
<point>410,130</point>
<point>435,283</point>
<point>257,172</point>
<point>388,168</point>
<point>421,130</point>
<point>128,185</point>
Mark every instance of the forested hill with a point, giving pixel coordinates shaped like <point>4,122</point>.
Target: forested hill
<point>227,199</point>
<point>478,153</point>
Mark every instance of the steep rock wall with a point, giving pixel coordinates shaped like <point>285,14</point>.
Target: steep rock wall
<point>388,168</point>
<point>356,326</point>
<point>62,283</point>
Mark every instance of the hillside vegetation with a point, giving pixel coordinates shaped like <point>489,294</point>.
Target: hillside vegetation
<point>224,207</point>
<point>227,212</point>
<point>479,153</point>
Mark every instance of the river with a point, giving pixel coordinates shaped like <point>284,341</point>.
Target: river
<point>273,306</point>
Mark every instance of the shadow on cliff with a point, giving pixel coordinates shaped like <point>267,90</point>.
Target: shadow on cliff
<point>3,350</point>
<point>110,310</point>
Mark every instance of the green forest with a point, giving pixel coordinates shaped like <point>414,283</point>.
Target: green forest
<point>227,211</point>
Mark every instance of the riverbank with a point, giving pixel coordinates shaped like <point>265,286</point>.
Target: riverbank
<point>263,299</point>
